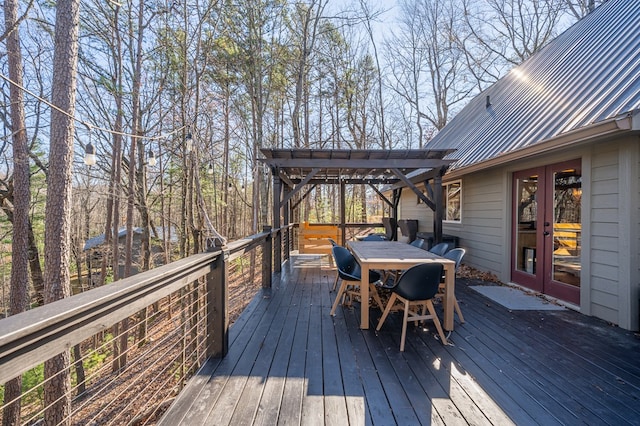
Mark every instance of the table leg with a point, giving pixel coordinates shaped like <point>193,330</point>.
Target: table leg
<point>364,296</point>
<point>449,296</point>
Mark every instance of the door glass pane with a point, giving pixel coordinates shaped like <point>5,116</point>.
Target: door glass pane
<point>567,226</point>
<point>526,233</point>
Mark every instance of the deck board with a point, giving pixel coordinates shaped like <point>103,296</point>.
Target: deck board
<point>290,362</point>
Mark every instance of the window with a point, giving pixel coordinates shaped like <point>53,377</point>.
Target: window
<point>452,193</point>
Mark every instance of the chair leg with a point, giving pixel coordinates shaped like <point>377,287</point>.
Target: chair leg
<point>335,283</point>
<point>392,300</point>
<point>341,291</point>
<point>404,324</point>
<point>458,311</point>
<point>436,321</point>
<point>373,291</point>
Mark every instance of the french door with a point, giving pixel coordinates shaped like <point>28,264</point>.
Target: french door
<point>546,235</point>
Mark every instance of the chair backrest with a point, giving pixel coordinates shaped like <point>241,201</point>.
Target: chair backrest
<point>348,266</point>
<point>440,249</point>
<point>418,242</point>
<point>374,237</point>
<point>419,282</point>
<point>333,242</point>
<point>390,228</point>
<point>456,255</point>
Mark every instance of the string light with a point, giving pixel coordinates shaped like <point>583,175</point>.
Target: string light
<point>89,152</point>
<point>152,159</point>
<point>188,141</point>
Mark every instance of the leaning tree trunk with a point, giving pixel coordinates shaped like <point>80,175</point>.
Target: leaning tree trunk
<point>57,388</point>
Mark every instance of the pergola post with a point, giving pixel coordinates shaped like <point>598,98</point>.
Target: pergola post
<point>277,242</point>
<point>286,216</point>
<point>343,214</point>
<point>439,210</point>
<point>396,201</point>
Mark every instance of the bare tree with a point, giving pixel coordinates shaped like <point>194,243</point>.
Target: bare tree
<point>309,16</point>
<point>504,33</point>
<point>428,67</point>
<point>581,8</point>
<point>58,209</point>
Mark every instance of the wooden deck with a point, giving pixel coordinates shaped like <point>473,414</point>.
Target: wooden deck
<point>289,362</point>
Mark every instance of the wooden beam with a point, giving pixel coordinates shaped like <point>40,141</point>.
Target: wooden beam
<point>381,195</point>
<point>300,185</point>
<point>277,207</point>
<point>267,258</point>
<point>343,215</point>
<point>286,179</point>
<point>414,188</point>
<point>303,197</point>
<point>358,163</point>
<point>350,181</point>
<point>217,307</point>
<point>438,216</point>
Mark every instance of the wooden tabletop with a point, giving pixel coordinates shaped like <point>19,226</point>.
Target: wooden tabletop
<point>394,255</point>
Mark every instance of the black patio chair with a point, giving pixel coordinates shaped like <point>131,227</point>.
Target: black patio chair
<point>440,249</point>
<point>414,292</point>
<point>374,237</point>
<point>390,228</point>
<point>334,244</point>
<point>456,255</point>
<point>349,272</point>
<point>418,242</point>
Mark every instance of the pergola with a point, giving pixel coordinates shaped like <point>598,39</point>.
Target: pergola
<point>298,171</point>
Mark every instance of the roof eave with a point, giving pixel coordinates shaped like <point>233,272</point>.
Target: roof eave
<point>626,123</point>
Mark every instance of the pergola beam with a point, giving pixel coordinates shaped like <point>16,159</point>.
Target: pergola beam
<point>300,185</point>
<point>415,189</point>
<point>356,163</point>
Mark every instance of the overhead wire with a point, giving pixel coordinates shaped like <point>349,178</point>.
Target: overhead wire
<point>86,124</point>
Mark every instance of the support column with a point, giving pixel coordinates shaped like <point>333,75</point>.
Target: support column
<point>397,194</point>
<point>267,259</point>
<point>438,213</point>
<point>343,214</point>
<point>286,215</point>
<point>277,243</point>
<point>217,307</point>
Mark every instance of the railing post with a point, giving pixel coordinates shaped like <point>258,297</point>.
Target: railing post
<point>217,307</point>
<point>267,258</point>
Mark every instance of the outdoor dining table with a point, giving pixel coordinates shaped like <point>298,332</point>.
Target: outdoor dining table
<point>394,255</point>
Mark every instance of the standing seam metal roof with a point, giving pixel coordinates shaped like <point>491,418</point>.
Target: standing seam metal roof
<point>588,74</point>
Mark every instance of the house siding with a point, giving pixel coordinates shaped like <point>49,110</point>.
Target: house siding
<point>604,233</point>
<point>482,229</point>
<point>610,281</point>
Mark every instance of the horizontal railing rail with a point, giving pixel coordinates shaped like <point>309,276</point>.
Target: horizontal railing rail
<point>193,291</point>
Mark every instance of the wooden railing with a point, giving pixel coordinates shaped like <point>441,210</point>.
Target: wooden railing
<point>189,296</point>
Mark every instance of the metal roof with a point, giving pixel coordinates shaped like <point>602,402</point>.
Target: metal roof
<point>587,75</point>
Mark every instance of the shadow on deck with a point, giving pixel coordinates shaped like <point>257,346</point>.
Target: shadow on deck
<point>289,362</point>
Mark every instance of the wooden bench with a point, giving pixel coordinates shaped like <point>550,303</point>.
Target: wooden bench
<point>566,238</point>
<point>314,238</point>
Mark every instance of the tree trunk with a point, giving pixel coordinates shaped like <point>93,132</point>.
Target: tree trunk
<point>19,294</point>
<point>57,386</point>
